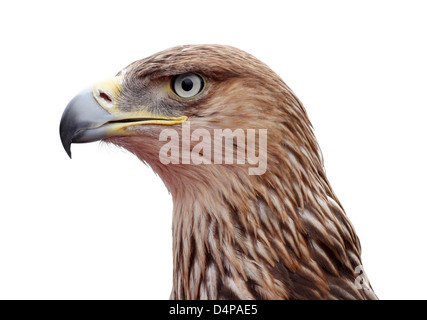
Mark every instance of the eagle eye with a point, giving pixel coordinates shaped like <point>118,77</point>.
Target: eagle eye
<point>188,85</point>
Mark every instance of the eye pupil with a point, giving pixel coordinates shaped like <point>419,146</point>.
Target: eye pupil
<point>187,84</point>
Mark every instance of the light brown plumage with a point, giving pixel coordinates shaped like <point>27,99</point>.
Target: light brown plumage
<point>280,235</point>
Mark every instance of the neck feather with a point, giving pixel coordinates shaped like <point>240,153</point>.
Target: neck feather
<point>260,237</point>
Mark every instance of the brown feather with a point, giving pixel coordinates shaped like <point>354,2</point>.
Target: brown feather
<point>280,235</point>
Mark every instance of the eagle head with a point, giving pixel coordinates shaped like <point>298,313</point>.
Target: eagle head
<point>254,214</point>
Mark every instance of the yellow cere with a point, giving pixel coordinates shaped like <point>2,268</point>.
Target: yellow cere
<point>107,93</point>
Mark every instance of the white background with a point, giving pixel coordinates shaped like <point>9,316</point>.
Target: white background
<point>99,226</point>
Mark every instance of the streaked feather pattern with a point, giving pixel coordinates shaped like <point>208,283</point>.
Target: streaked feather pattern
<point>281,235</point>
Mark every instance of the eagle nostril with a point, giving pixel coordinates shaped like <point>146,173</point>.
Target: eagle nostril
<point>105,96</point>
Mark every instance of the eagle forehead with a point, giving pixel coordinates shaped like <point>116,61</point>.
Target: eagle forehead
<point>213,60</point>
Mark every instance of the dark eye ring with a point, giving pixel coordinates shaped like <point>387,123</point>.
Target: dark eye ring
<point>188,85</point>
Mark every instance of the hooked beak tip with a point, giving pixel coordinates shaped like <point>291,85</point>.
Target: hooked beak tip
<point>66,140</point>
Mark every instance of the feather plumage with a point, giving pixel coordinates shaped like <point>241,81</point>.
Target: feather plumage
<point>280,235</point>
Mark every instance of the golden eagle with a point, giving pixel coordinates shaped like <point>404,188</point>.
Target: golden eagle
<point>279,234</point>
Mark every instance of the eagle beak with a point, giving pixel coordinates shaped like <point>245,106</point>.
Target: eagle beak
<point>94,114</point>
